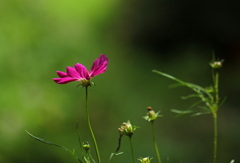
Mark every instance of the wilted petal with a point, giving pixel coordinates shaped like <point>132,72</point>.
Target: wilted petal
<point>62,74</point>
<point>71,72</point>
<point>82,70</point>
<point>99,65</point>
<point>64,80</point>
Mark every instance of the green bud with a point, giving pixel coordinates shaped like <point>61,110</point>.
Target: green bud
<point>145,160</point>
<point>127,129</point>
<point>86,146</point>
<point>151,115</point>
<point>216,64</point>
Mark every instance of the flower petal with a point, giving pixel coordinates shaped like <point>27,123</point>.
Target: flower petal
<point>71,72</point>
<point>82,70</point>
<point>64,80</point>
<point>99,65</point>
<point>62,74</point>
<point>100,69</point>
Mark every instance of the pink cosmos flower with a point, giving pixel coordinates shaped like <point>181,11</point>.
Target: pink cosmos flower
<point>80,72</point>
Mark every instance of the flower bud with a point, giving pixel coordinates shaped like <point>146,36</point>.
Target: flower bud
<point>151,115</point>
<point>216,64</point>
<point>86,146</point>
<point>145,160</point>
<point>127,129</point>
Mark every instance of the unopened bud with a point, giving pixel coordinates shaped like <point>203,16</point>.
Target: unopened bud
<point>145,160</point>
<point>127,129</point>
<point>151,115</point>
<point>216,64</point>
<point>86,146</point>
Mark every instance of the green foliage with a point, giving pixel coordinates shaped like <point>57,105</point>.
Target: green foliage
<point>209,96</point>
<point>203,93</point>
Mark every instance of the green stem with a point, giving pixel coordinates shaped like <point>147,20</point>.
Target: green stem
<point>133,156</point>
<point>216,89</point>
<point>155,142</point>
<point>214,112</point>
<point>90,128</point>
<point>215,138</point>
<point>79,138</point>
<point>88,158</point>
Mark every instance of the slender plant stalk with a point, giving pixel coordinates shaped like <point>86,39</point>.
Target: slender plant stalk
<point>90,128</point>
<point>215,138</point>
<point>216,88</point>
<point>133,156</point>
<point>214,111</point>
<point>87,158</point>
<point>155,142</point>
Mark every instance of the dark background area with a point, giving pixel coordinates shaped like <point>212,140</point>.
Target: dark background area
<point>163,26</point>
<point>38,38</point>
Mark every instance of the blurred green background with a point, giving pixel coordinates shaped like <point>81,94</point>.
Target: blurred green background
<point>177,37</point>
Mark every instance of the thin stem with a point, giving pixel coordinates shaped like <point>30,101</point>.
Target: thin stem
<point>216,89</point>
<point>87,157</point>
<point>155,142</point>
<point>215,138</point>
<point>79,138</point>
<point>80,141</point>
<point>90,128</point>
<point>214,112</point>
<point>133,156</point>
